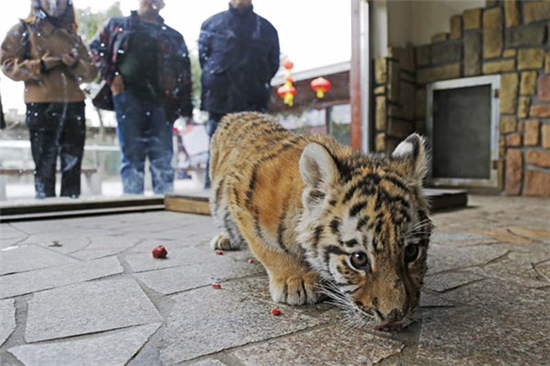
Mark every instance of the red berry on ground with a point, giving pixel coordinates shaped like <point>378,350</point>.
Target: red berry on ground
<point>216,286</point>
<point>160,252</point>
<point>219,252</point>
<point>251,260</point>
<point>275,311</point>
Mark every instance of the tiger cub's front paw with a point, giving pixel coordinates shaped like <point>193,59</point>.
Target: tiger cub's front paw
<point>295,290</point>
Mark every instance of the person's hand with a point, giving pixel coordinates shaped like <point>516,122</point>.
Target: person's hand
<point>70,59</point>
<point>117,85</point>
<point>49,61</point>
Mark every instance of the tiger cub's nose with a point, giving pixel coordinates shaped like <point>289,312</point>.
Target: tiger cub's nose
<point>394,315</point>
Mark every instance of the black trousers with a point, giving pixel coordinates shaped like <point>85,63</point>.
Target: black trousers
<point>57,129</point>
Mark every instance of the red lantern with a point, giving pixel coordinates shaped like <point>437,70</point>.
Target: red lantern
<point>287,92</point>
<point>287,64</point>
<point>320,86</point>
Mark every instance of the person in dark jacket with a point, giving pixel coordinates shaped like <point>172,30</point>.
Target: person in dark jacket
<point>147,65</point>
<point>47,54</point>
<point>239,54</point>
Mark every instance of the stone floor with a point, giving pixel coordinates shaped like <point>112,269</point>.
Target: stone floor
<point>87,292</point>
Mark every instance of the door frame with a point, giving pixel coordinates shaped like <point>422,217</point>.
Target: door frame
<point>490,80</point>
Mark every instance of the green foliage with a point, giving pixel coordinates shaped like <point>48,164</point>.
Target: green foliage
<point>90,22</point>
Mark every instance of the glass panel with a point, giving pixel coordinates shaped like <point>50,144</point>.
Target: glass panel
<point>101,162</point>
<point>340,122</point>
<point>462,133</point>
<point>310,121</point>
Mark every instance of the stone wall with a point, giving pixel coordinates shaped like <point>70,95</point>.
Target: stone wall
<point>510,38</point>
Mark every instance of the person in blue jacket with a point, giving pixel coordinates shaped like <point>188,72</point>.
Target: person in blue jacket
<point>238,54</point>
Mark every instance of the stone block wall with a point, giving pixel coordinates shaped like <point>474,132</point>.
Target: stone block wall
<point>510,38</point>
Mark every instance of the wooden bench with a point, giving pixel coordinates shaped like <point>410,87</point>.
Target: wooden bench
<point>91,175</point>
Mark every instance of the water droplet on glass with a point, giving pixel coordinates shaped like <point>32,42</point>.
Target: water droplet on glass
<point>163,27</point>
<point>147,113</point>
<point>120,51</point>
<point>123,116</point>
<point>101,54</point>
<point>102,44</point>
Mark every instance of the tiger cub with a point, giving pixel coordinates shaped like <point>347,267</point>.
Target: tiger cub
<point>322,217</point>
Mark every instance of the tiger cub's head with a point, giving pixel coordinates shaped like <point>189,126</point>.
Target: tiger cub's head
<point>365,227</point>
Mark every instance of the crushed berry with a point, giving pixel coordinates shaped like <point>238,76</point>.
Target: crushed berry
<point>275,311</point>
<point>219,252</point>
<point>160,252</point>
<point>216,286</point>
<point>251,260</point>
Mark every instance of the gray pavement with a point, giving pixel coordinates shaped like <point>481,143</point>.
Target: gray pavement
<point>88,292</point>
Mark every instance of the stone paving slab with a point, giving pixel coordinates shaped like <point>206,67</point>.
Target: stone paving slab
<point>459,239</point>
<point>9,242</point>
<point>522,273</point>
<point>113,349</point>
<point>324,346</point>
<point>40,227</point>
<point>104,246</point>
<point>88,308</point>
<point>430,299</point>
<point>503,235</point>
<point>9,232</point>
<point>448,281</point>
<point>39,280</point>
<point>530,253</point>
<point>172,280</point>
<point>206,321</point>
<point>504,297</point>
<point>7,319</point>
<point>544,270</point>
<point>531,233</point>
<point>144,261</point>
<point>208,362</point>
<point>444,258</point>
<point>192,234</point>
<point>469,336</point>
<point>61,242</point>
<point>27,258</point>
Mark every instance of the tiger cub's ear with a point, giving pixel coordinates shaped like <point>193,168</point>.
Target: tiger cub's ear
<point>412,157</point>
<point>317,167</point>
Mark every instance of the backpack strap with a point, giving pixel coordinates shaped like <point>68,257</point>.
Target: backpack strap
<point>26,40</point>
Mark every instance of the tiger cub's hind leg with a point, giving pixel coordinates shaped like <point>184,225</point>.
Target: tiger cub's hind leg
<point>220,241</point>
<point>230,237</point>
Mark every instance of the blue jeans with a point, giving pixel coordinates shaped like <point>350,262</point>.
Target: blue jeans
<point>213,121</point>
<point>143,131</point>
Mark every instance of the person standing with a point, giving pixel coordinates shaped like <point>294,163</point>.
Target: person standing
<point>146,64</point>
<point>238,54</point>
<point>46,53</point>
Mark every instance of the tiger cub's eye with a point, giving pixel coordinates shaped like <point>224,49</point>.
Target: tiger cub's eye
<point>411,253</point>
<point>359,261</point>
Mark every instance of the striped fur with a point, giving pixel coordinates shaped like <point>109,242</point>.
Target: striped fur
<point>304,204</point>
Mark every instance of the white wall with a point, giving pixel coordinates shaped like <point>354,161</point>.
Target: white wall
<point>414,21</point>
<point>379,28</point>
<point>432,17</point>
